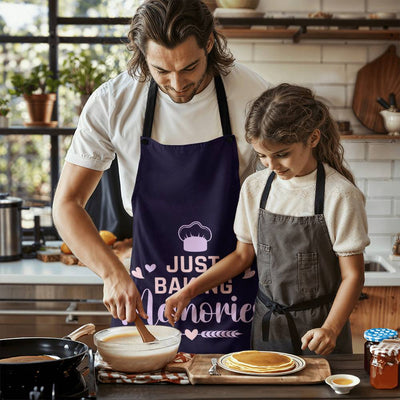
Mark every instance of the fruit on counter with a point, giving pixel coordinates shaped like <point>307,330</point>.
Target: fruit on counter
<point>108,237</point>
<point>65,249</point>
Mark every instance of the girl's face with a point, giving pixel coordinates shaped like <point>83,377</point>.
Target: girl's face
<point>288,160</point>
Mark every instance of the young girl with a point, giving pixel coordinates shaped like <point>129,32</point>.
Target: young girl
<point>304,219</point>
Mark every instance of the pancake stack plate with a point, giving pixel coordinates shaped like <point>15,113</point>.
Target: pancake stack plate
<point>262,363</point>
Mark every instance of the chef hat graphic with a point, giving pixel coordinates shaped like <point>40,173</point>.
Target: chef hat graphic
<point>194,236</point>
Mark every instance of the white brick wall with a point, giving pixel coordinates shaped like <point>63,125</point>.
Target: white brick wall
<point>330,69</point>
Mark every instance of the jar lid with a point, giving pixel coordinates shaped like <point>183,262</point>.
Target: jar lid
<point>379,334</point>
<point>7,201</point>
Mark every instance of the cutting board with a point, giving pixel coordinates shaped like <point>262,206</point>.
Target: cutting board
<point>376,79</point>
<point>316,370</point>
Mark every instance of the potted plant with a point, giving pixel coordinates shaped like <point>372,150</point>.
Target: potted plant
<point>4,110</point>
<point>39,91</point>
<point>83,74</point>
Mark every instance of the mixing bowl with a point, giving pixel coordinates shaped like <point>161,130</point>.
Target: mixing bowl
<point>123,348</point>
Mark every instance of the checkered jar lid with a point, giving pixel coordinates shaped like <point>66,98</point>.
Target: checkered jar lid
<point>379,334</point>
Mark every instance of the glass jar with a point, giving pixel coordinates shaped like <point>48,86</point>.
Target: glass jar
<point>375,336</point>
<point>384,367</point>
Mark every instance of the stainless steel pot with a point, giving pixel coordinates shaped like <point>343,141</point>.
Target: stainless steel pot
<point>10,228</point>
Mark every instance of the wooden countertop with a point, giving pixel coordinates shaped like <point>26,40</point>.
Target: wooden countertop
<point>351,364</point>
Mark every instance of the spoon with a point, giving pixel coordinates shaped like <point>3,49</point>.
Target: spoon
<point>143,331</point>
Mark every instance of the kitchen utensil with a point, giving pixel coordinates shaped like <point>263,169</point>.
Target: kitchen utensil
<point>383,103</point>
<point>10,228</point>
<point>145,334</point>
<point>392,100</point>
<point>377,78</point>
<point>342,383</point>
<point>213,368</point>
<point>317,370</point>
<point>67,353</point>
<point>123,348</point>
<point>300,364</point>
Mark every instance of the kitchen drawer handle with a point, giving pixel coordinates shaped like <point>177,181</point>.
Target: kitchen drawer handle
<point>363,296</point>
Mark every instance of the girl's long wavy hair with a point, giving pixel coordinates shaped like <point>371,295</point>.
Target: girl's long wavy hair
<point>169,23</point>
<point>289,114</point>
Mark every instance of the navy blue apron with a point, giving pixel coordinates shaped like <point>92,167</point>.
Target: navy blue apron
<point>184,204</point>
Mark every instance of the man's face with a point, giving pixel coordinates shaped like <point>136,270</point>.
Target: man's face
<point>180,72</point>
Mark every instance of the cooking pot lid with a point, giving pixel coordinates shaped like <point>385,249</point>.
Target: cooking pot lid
<point>8,201</point>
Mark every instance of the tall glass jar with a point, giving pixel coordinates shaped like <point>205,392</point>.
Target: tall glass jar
<point>384,369</point>
<point>373,337</point>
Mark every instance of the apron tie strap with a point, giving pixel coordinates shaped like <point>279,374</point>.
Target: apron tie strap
<point>276,308</point>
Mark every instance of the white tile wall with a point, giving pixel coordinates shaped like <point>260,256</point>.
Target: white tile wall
<point>330,69</point>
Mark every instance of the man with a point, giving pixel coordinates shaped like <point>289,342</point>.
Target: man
<point>177,128</point>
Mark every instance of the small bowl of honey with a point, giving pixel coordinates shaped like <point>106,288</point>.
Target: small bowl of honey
<point>342,383</point>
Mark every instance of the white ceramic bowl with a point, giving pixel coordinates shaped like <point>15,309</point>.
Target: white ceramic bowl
<point>238,3</point>
<point>123,348</point>
<point>342,383</point>
<point>391,121</point>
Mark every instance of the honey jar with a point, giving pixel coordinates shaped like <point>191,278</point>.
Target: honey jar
<point>373,337</point>
<point>384,366</point>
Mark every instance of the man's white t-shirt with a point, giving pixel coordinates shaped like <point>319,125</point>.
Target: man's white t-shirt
<point>112,122</point>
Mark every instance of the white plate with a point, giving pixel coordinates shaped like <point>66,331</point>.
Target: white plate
<point>300,364</point>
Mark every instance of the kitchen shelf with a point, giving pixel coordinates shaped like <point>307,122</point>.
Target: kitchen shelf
<point>369,137</point>
<point>309,28</point>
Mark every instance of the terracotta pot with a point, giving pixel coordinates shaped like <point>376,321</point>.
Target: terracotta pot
<point>40,106</point>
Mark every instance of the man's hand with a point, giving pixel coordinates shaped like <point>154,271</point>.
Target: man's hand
<point>122,298</point>
<point>320,340</point>
<point>175,304</point>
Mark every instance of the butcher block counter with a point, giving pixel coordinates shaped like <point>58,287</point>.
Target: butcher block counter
<point>348,364</point>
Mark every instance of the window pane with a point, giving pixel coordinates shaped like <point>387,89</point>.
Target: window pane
<point>97,8</point>
<point>109,60</point>
<point>24,18</point>
<point>94,30</point>
<point>25,167</point>
<point>19,58</point>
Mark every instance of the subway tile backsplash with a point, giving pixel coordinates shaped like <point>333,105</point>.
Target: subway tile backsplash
<point>330,67</point>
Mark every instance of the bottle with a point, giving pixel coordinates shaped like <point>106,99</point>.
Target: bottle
<point>384,367</point>
<point>373,337</point>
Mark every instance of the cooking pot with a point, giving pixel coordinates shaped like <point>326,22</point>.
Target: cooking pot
<point>123,348</point>
<point>10,228</point>
<point>67,354</point>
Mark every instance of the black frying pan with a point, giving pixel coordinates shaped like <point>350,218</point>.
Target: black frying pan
<point>68,354</point>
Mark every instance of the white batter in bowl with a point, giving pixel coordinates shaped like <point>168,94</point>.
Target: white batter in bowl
<point>123,348</point>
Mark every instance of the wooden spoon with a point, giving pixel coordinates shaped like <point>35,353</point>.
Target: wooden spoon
<point>143,331</point>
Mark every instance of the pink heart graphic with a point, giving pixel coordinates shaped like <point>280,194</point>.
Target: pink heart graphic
<point>137,273</point>
<point>151,267</point>
<point>248,274</point>
<point>191,334</point>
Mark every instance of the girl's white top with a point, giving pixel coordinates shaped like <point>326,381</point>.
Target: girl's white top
<point>344,207</point>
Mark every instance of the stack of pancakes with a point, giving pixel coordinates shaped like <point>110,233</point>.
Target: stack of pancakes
<point>259,362</point>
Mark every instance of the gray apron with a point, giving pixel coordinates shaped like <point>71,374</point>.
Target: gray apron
<point>299,276</point>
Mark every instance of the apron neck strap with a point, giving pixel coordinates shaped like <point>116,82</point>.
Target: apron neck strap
<point>319,190</point>
<point>222,105</point>
<point>150,107</point>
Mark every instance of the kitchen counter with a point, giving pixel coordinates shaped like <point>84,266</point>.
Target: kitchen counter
<point>349,364</point>
<point>33,271</point>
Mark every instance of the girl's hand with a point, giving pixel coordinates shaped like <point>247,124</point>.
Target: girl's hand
<point>320,340</point>
<point>175,304</point>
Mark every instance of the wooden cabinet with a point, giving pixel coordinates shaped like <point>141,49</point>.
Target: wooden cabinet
<point>379,307</point>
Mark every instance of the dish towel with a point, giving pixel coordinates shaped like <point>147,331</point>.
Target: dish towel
<point>105,374</point>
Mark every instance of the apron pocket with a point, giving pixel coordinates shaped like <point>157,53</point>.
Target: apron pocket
<point>307,273</point>
<point>264,264</point>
